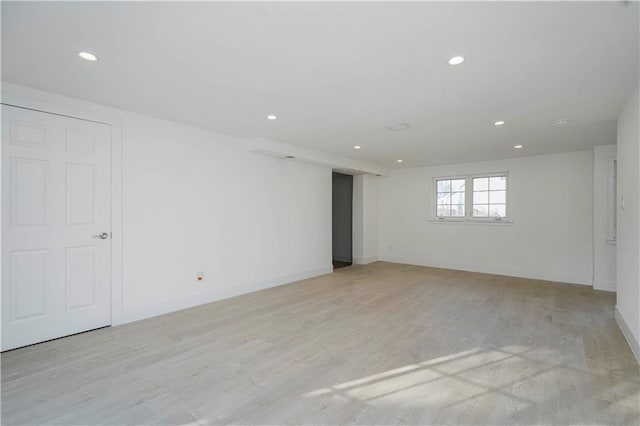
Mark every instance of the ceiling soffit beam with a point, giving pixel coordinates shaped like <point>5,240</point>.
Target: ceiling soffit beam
<point>311,156</point>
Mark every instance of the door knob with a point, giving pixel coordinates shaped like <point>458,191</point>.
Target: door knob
<point>102,236</point>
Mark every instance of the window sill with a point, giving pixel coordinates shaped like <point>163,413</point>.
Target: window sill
<point>472,222</point>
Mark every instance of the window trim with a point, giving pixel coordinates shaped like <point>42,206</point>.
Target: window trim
<point>468,200</point>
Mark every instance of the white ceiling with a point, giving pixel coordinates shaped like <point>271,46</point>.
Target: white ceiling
<point>338,74</point>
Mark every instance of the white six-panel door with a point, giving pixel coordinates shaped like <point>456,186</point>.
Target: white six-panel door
<point>56,220</point>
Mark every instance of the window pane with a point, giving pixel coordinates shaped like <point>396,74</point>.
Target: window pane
<point>480,184</point>
<point>457,185</point>
<point>498,210</point>
<point>497,182</point>
<point>480,210</point>
<point>457,198</point>
<point>481,197</point>
<point>457,210</point>
<point>497,197</point>
<point>444,210</point>
<point>444,198</point>
<point>444,185</point>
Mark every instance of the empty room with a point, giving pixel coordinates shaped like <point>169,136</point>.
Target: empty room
<point>329,213</point>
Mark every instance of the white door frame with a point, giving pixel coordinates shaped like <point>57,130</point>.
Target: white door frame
<point>25,97</point>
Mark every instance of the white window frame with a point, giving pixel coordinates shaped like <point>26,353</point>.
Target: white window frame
<point>468,200</point>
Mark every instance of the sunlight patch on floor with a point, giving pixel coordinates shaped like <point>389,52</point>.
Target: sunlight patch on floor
<point>466,374</point>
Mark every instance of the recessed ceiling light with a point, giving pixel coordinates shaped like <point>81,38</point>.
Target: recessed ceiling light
<point>498,123</point>
<point>272,117</point>
<point>561,122</point>
<point>399,161</point>
<point>456,60</point>
<point>517,146</point>
<point>356,147</point>
<point>88,56</point>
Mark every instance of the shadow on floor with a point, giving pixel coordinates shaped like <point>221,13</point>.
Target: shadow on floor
<point>337,264</point>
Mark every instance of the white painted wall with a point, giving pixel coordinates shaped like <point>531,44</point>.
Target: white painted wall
<point>604,250</point>
<point>538,244</point>
<point>628,245</point>
<point>199,201</point>
<point>365,219</point>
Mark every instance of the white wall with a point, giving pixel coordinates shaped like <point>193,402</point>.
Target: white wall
<point>604,250</point>
<point>365,219</point>
<point>551,204</point>
<point>189,200</point>
<point>628,245</point>
<point>199,201</point>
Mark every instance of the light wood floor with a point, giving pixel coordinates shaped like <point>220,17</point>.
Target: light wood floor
<point>376,344</point>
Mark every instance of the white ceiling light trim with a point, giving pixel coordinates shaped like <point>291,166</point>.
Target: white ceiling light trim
<point>561,122</point>
<point>499,123</point>
<point>456,60</point>
<point>517,146</point>
<point>87,56</point>
<point>272,117</point>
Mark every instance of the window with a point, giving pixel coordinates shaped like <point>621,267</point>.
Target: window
<point>450,197</point>
<point>478,198</point>
<point>490,196</point>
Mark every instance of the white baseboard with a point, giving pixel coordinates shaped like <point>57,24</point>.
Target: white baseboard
<point>604,285</point>
<point>213,296</point>
<point>364,260</point>
<point>536,275</point>
<point>628,335</point>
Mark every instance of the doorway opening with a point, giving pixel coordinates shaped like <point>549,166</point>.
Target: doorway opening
<point>342,215</point>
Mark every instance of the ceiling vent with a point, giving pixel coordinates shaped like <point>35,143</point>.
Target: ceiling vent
<point>399,126</point>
